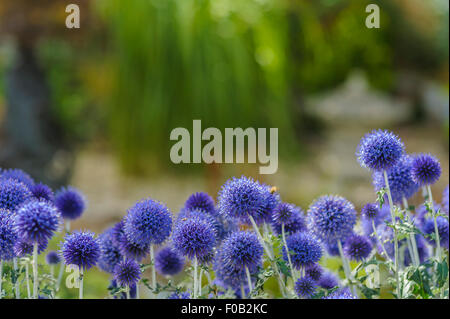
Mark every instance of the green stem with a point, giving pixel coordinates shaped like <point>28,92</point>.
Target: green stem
<point>415,252</point>
<point>346,266</point>
<point>152,260</point>
<point>16,285</point>
<point>35,271</point>
<point>1,278</point>
<point>195,278</point>
<point>27,275</point>
<point>81,279</point>
<point>283,235</point>
<point>436,229</point>
<point>249,281</point>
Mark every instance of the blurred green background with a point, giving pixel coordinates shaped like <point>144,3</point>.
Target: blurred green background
<point>94,106</point>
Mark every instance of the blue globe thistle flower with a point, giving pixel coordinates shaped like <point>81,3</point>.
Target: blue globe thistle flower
<point>242,197</point>
<point>22,248</point>
<point>110,254</point>
<point>328,280</point>
<point>400,179</point>
<point>283,213</point>
<point>194,237</point>
<point>227,275</point>
<point>243,250</point>
<point>208,258</point>
<point>201,201</point>
<point>422,249</point>
<point>148,222</point>
<point>296,224</point>
<point>443,230</point>
<point>445,200</point>
<point>42,192</point>
<point>340,294</point>
<point>271,202</point>
<point>304,249</point>
<point>357,247</point>
<point>332,218</point>
<point>370,211</point>
<point>219,228</point>
<point>305,287</point>
<point>37,221</point>
<point>70,202</point>
<point>8,237</point>
<point>18,175</point>
<point>52,258</point>
<point>426,169</point>
<point>379,150</point>
<point>314,271</point>
<point>366,223</point>
<point>127,273</point>
<point>180,295</point>
<point>81,249</point>
<point>13,194</point>
<point>117,233</point>
<point>332,248</point>
<point>131,250</point>
<point>168,261</point>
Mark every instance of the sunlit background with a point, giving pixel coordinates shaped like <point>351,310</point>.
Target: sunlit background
<point>93,107</point>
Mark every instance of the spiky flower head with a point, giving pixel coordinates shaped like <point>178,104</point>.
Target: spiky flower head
<point>380,218</point>
<point>13,194</point>
<point>131,250</point>
<point>305,287</point>
<point>428,229</point>
<point>194,237</point>
<point>426,169</point>
<point>227,275</point>
<point>379,150</point>
<point>332,218</point>
<point>70,202</point>
<point>127,273</point>
<point>81,249</point>
<point>180,295</point>
<point>37,221</point>
<point>357,247</point>
<point>148,222</point>
<point>18,175</point>
<point>218,226</point>
<point>400,179</point>
<point>42,192</point>
<point>370,211</point>
<point>53,258</point>
<point>314,271</point>
<point>8,237</point>
<point>297,223</point>
<point>304,249</point>
<point>168,261</point>
<point>110,254</point>
<point>328,280</point>
<point>284,213</point>
<point>445,200</point>
<point>243,250</point>
<point>201,201</point>
<point>340,294</point>
<point>22,248</point>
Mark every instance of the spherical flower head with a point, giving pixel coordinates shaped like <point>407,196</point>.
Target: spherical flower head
<point>340,294</point>
<point>304,249</point>
<point>18,175</point>
<point>379,150</point>
<point>201,201</point>
<point>445,200</point>
<point>297,223</point>
<point>194,237</point>
<point>284,212</point>
<point>117,233</point>
<point>227,275</point>
<point>148,222</point>
<point>8,237</point>
<point>70,202</point>
<point>168,261</point>
<point>305,287</point>
<point>332,218</point>
<point>242,197</point>
<point>22,248</point>
<point>37,221</point>
<point>400,179</point>
<point>314,271</point>
<point>328,280</point>
<point>443,230</point>
<point>52,258</point>
<point>243,250</point>
<point>127,273</point>
<point>426,169</point>
<point>370,211</point>
<point>357,247</point>
<point>81,249</point>
<point>13,194</point>
<point>131,250</point>
<point>332,248</point>
<point>110,254</point>
<point>42,192</point>
<point>218,226</point>
<point>180,295</point>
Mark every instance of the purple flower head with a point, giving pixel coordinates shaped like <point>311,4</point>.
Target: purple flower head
<point>296,224</point>
<point>42,192</point>
<point>426,169</point>
<point>168,261</point>
<point>227,275</point>
<point>314,271</point>
<point>117,233</point>
<point>81,249</point>
<point>22,248</point>
<point>400,179</point>
<point>218,226</point>
<point>379,150</point>
<point>340,294</point>
<point>328,280</point>
<point>70,202</point>
<point>305,287</point>
<point>110,254</point>
<point>52,258</point>
<point>194,237</point>
<point>13,194</point>
<point>443,229</point>
<point>201,201</point>
<point>242,250</point>
<point>37,221</point>
<point>332,218</point>
<point>18,175</point>
<point>131,250</point>
<point>366,223</point>
<point>148,222</point>
<point>8,237</point>
<point>445,200</point>
<point>127,273</point>
<point>357,247</point>
<point>180,295</point>
<point>304,249</point>
<point>370,211</point>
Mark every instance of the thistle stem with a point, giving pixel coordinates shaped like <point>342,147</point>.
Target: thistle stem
<point>283,235</point>
<point>1,278</point>
<point>128,292</point>
<point>380,240</point>
<point>195,278</point>
<point>436,229</point>
<point>415,252</point>
<point>200,282</point>
<point>27,275</point>
<point>81,279</point>
<point>16,285</point>
<point>249,280</point>
<point>35,271</point>
<point>61,268</point>
<point>346,266</point>
<point>152,260</point>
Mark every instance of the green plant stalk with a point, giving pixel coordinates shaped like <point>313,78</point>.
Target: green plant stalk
<point>61,268</point>
<point>200,282</point>
<point>415,252</point>
<point>436,229</point>
<point>249,280</point>
<point>152,260</point>
<point>16,284</point>
<point>195,278</point>
<point>81,279</point>
<point>128,292</point>
<point>380,240</point>
<point>35,271</point>
<point>27,275</point>
<point>394,222</point>
<point>283,235</point>
<point>1,278</point>
<point>346,266</point>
